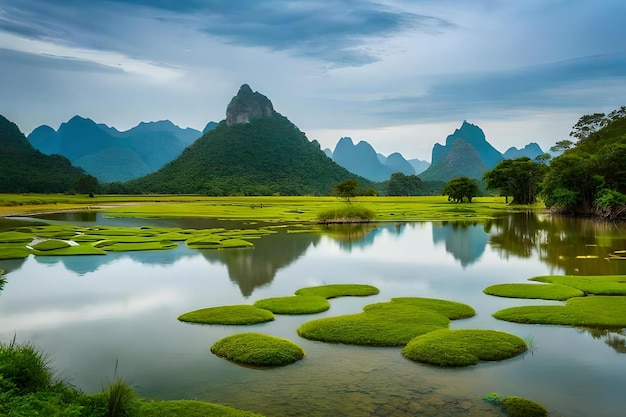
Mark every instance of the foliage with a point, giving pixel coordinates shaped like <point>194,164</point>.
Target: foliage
<point>519,178</point>
<point>24,367</point>
<point>258,349</point>
<point>492,398</point>
<point>339,290</point>
<point>604,311</point>
<point>543,292</point>
<point>589,178</point>
<point>463,347</point>
<point>23,169</point>
<point>87,184</point>
<point>522,407</point>
<point>404,185</point>
<point>232,315</point>
<point>346,189</point>
<point>460,188</point>
<point>121,400</point>
<point>299,304</point>
<point>346,214</point>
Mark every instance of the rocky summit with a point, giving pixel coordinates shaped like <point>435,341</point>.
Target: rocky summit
<point>248,105</point>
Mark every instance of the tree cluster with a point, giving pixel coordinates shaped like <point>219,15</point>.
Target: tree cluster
<point>461,188</point>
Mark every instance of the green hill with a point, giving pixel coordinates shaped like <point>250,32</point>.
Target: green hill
<point>24,169</point>
<point>255,151</point>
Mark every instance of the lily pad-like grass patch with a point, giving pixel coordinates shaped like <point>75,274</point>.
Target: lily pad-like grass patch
<point>381,324</point>
<point>451,309</point>
<point>296,304</point>
<point>258,349</point>
<point>13,251</point>
<point>522,407</point>
<point>241,314</point>
<point>463,347</point>
<point>534,291</point>
<point>601,311</point>
<point>115,246</point>
<point>339,290</point>
<point>590,284</point>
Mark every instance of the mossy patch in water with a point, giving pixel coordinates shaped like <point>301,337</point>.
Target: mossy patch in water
<point>13,251</point>
<point>296,304</point>
<point>463,347</point>
<point>601,311</point>
<point>190,408</point>
<point>15,237</point>
<point>70,251</point>
<point>451,309</point>
<point>534,291</point>
<point>339,290</point>
<point>258,349</point>
<point>51,244</point>
<point>381,324</point>
<point>590,284</point>
<point>522,407</point>
<point>115,246</point>
<point>241,314</point>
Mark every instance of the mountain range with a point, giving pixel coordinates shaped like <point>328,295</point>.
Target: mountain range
<point>111,155</point>
<point>254,151</point>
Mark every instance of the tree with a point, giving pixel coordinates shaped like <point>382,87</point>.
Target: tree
<point>403,185</point>
<point>562,145</point>
<point>87,184</point>
<point>518,177</point>
<point>588,125</point>
<point>346,189</point>
<point>461,187</point>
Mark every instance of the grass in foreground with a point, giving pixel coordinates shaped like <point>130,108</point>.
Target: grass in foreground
<point>463,347</point>
<point>381,324</point>
<point>534,291</point>
<point>297,304</point>
<point>339,290</point>
<point>601,311</point>
<point>590,284</point>
<point>256,349</point>
<point>229,315</point>
<point>188,408</point>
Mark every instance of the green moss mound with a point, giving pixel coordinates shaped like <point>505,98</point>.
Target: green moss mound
<point>297,304</point>
<point>534,291</point>
<point>382,324</point>
<point>451,309</point>
<point>339,290</point>
<point>601,311</point>
<point>116,246</point>
<point>15,237</point>
<point>242,314</point>
<point>521,407</point>
<point>190,408</point>
<point>71,251</point>
<point>463,347</point>
<point>13,251</point>
<point>590,284</point>
<point>51,244</point>
<point>258,349</point>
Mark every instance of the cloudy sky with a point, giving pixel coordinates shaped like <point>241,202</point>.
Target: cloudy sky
<point>400,74</point>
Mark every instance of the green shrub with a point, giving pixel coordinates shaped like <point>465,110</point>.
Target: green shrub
<point>257,349</point>
<point>233,315</point>
<point>297,304</point>
<point>347,213</point>
<point>121,400</point>
<point>609,199</point>
<point>492,398</point>
<point>25,368</point>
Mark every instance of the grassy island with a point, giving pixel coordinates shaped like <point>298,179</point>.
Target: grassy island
<point>242,314</point>
<point>297,304</point>
<point>339,290</point>
<point>534,291</point>
<point>256,349</point>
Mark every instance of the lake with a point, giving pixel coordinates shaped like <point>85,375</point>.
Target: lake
<point>89,313</point>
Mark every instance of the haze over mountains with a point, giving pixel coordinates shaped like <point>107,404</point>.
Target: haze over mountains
<point>111,155</point>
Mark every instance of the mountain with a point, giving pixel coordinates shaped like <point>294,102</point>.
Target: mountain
<point>23,169</point>
<point>462,159</point>
<point>475,137</point>
<point>418,165</point>
<point>111,155</point>
<point>360,159</point>
<point>254,151</point>
<point>395,162</point>
<point>532,150</point>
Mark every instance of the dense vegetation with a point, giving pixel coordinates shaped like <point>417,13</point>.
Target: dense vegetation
<point>590,177</point>
<point>25,169</point>
<point>264,157</point>
<point>519,178</point>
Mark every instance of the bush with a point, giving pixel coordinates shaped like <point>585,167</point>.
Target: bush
<point>24,368</point>
<point>121,400</point>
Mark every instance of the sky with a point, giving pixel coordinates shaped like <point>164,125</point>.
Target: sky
<point>399,74</point>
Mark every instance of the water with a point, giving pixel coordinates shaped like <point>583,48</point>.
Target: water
<point>90,312</point>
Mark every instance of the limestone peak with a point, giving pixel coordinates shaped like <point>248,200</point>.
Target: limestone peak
<point>248,105</point>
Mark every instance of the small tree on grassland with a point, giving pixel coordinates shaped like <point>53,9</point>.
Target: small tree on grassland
<point>346,189</point>
<point>461,187</point>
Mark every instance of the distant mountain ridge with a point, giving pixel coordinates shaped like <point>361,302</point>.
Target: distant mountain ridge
<point>254,151</point>
<point>111,155</point>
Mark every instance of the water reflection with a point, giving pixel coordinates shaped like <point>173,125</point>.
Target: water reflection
<point>465,241</point>
<point>615,338</point>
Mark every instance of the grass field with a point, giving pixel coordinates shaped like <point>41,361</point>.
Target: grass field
<point>276,209</point>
